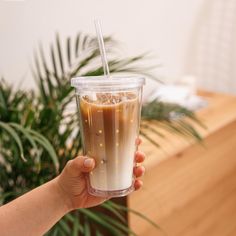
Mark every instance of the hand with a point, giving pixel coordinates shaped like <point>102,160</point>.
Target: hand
<point>72,182</point>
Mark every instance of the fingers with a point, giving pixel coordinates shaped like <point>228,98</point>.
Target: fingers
<point>139,171</point>
<point>139,157</point>
<point>79,165</point>
<point>138,141</point>
<point>138,184</point>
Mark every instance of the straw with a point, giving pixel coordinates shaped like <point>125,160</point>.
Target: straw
<point>102,47</point>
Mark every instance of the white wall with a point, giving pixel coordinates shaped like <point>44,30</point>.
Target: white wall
<point>161,26</point>
<point>212,47</point>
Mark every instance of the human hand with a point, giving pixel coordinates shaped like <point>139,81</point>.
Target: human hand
<point>72,181</point>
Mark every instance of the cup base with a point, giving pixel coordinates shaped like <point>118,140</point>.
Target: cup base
<point>110,194</point>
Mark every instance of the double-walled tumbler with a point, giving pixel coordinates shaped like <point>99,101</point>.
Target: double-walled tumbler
<point>109,110</point>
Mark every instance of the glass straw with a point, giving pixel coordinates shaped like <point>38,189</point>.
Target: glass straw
<point>102,47</point>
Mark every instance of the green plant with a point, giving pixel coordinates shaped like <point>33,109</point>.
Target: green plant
<point>39,130</point>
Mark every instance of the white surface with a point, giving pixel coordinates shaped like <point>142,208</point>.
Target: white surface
<point>178,94</point>
<point>162,27</point>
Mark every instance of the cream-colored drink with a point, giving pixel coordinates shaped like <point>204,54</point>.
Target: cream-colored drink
<point>110,128</point>
<point>109,112</point>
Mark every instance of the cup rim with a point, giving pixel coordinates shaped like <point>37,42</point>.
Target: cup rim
<point>104,82</point>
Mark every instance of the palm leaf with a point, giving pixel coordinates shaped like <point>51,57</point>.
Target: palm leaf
<point>39,80</point>
<point>101,221</point>
<point>59,51</point>
<point>64,226</point>
<point>97,233</point>
<point>73,218</point>
<point>142,216</point>
<point>145,135</point>
<point>87,231</point>
<point>69,51</point>
<point>47,145</point>
<point>148,127</point>
<point>15,136</point>
<point>55,232</point>
<point>165,112</point>
<point>76,225</point>
<point>2,97</point>
<point>61,232</point>
<point>28,136</point>
<point>125,229</point>
<point>46,71</point>
<point>117,213</point>
<point>55,71</point>
<point>77,41</point>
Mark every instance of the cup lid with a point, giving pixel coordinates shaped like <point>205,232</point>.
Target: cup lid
<point>104,82</point>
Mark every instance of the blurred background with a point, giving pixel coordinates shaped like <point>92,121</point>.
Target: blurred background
<point>189,190</point>
<point>187,37</point>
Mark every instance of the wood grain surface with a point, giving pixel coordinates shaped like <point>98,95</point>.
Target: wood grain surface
<point>190,189</point>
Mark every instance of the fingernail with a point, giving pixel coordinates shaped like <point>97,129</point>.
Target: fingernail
<point>88,162</point>
<point>143,170</point>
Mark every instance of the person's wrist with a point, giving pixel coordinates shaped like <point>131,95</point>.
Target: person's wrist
<point>63,196</point>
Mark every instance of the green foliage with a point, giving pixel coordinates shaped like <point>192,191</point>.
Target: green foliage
<point>42,129</point>
<point>172,118</point>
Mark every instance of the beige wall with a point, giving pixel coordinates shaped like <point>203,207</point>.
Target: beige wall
<point>172,30</point>
<point>162,27</point>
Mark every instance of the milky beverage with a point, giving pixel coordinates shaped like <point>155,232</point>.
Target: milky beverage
<point>110,127</point>
<point>109,113</point>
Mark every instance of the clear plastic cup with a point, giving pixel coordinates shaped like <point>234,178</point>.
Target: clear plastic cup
<point>109,110</point>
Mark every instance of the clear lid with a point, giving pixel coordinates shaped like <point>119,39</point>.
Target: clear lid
<point>107,83</point>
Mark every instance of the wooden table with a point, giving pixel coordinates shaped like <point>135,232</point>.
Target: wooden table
<point>188,189</point>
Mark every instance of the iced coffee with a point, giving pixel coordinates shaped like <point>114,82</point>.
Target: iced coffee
<point>109,122</point>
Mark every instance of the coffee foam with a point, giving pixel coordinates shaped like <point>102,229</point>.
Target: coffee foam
<point>109,98</point>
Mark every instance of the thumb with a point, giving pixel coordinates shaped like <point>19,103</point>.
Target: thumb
<point>79,165</point>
